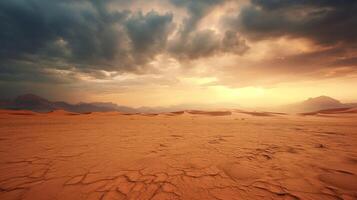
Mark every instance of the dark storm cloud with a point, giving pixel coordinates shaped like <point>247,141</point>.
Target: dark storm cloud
<point>205,43</point>
<point>232,42</point>
<point>148,34</point>
<point>82,36</point>
<point>85,36</point>
<point>197,44</point>
<point>331,25</point>
<point>326,22</point>
<point>83,29</point>
<point>191,43</point>
<point>196,11</point>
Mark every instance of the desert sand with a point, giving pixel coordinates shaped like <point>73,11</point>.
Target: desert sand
<point>180,155</point>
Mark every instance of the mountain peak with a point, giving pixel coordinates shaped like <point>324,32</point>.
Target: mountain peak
<point>319,103</point>
<point>322,100</point>
<point>36,103</point>
<point>29,97</point>
<point>314,104</point>
<point>32,102</point>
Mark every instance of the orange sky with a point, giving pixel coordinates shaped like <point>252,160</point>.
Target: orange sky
<point>171,52</point>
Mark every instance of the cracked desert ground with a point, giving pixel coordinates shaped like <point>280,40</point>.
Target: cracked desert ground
<point>177,156</point>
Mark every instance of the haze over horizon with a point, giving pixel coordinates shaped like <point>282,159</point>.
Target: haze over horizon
<point>252,53</point>
<point>42,104</point>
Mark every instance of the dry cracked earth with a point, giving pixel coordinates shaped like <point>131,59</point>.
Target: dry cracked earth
<point>177,156</point>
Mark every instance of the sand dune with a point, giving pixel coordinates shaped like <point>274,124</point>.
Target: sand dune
<point>176,113</point>
<point>61,112</point>
<point>149,114</point>
<point>210,113</point>
<point>333,111</point>
<point>261,114</point>
<point>181,156</point>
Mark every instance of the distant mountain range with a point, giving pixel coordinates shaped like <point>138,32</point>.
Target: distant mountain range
<point>38,104</point>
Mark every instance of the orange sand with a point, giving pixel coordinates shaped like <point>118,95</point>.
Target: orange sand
<point>182,155</point>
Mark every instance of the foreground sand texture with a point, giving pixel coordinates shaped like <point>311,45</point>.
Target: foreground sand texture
<point>181,155</point>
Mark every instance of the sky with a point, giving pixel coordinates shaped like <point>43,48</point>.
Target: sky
<point>250,53</point>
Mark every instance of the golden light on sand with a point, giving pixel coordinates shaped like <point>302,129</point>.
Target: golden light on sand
<point>220,154</point>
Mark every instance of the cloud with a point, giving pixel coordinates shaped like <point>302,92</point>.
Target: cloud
<point>206,43</point>
<point>87,36</point>
<point>148,35</point>
<point>66,42</point>
<point>199,44</point>
<point>192,43</point>
<point>196,11</point>
<point>326,22</point>
<point>232,42</point>
<point>349,61</point>
<point>330,27</point>
<point>80,31</point>
<point>22,71</point>
<point>274,70</point>
<point>80,35</point>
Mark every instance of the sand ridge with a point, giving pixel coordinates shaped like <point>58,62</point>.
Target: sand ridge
<point>177,156</point>
<point>327,112</point>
